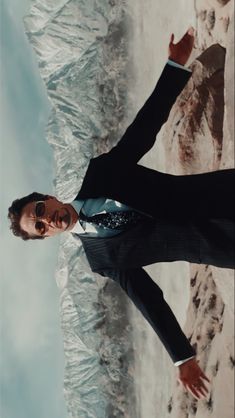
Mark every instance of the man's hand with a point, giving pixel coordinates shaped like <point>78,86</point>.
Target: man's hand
<point>181,51</point>
<point>192,378</point>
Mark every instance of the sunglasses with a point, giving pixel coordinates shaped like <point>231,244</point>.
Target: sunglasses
<point>40,209</point>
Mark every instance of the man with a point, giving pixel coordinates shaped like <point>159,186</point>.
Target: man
<point>128,216</point>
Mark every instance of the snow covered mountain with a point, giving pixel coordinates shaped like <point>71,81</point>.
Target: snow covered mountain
<point>81,51</point>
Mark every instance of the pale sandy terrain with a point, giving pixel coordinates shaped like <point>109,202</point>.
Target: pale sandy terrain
<point>201,296</point>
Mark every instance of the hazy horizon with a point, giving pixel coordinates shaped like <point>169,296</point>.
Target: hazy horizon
<point>31,357</point>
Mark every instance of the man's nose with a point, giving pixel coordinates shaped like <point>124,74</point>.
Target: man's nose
<point>46,218</point>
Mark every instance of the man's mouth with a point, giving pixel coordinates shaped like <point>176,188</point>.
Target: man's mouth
<point>60,220</point>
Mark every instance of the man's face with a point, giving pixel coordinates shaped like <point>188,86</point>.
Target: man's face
<point>47,218</point>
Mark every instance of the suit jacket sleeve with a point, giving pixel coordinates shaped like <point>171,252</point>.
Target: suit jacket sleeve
<point>141,134</point>
<point>148,298</point>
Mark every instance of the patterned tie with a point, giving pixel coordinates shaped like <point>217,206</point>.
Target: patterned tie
<point>114,220</point>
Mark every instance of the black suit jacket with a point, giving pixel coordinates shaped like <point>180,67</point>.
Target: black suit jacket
<point>174,229</point>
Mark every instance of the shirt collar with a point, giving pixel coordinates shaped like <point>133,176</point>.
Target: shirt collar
<point>77,205</point>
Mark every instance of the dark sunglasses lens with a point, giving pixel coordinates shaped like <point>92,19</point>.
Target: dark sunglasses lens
<point>40,209</point>
<point>40,227</point>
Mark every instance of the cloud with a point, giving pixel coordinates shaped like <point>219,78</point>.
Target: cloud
<point>31,354</point>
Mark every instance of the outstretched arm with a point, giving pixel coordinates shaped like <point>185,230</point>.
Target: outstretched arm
<point>148,298</point>
<point>141,134</point>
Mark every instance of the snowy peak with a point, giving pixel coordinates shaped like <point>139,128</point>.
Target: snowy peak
<point>62,33</point>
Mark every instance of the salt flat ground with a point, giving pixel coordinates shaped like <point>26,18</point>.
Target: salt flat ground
<point>154,22</point>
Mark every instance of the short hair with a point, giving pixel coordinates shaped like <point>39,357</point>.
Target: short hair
<point>14,214</point>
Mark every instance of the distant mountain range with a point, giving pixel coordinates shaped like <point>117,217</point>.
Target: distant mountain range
<point>81,48</point>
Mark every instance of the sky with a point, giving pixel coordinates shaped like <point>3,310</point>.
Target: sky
<point>31,349</point>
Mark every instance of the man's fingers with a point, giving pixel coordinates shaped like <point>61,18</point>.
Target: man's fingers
<point>186,40</point>
<point>201,394</point>
<point>190,388</point>
<point>203,391</point>
<point>204,386</point>
<point>193,391</point>
<point>194,380</point>
<point>188,36</point>
<point>183,384</point>
<point>191,31</point>
<point>198,392</point>
<point>205,377</point>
